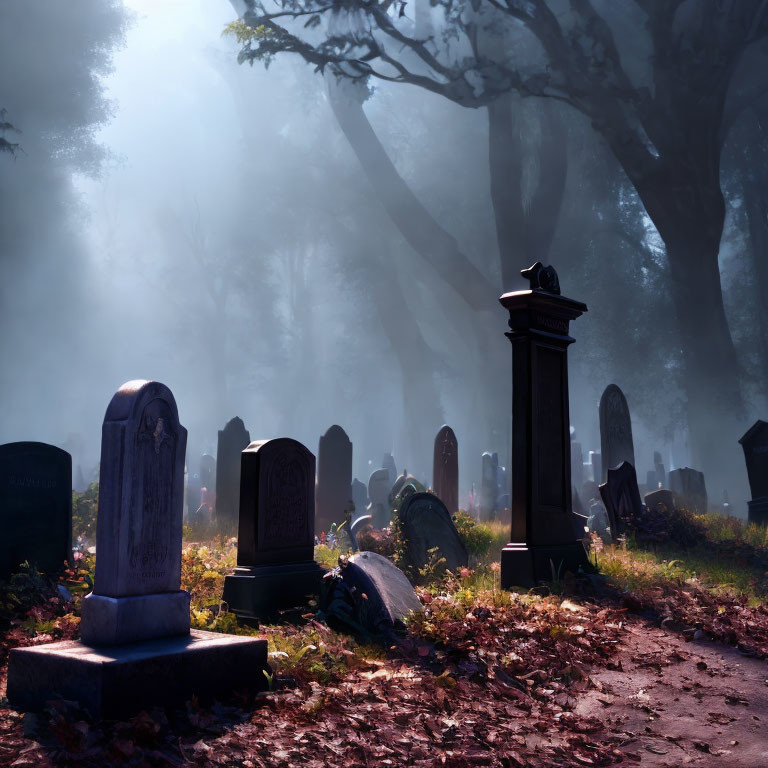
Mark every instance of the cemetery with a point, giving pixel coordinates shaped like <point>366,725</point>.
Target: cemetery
<point>275,491</point>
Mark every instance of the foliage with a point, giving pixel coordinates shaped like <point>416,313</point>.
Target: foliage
<point>84,513</point>
<point>384,542</point>
<point>662,526</point>
<point>478,538</point>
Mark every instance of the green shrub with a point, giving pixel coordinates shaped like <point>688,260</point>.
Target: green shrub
<point>477,538</point>
<point>84,508</point>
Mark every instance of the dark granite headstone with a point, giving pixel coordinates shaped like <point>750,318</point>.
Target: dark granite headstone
<point>275,547</point>
<point>660,497</point>
<point>35,506</point>
<point>542,533</point>
<point>616,444</point>
<point>334,478</point>
<point>426,523</point>
<point>755,445</point>
<point>378,492</point>
<point>445,468</point>
<point>688,486</point>
<point>233,440</point>
<point>489,486</point>
<point>621,497</point>
<point>388,463</point>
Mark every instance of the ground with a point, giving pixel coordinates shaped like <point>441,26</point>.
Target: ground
<point>649,664</point>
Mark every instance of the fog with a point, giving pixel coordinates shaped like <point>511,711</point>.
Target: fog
<point>171,214</point>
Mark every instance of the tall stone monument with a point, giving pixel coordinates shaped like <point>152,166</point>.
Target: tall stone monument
<point>276,568</point>
<point>542,535</point>
<point>334,478</point>
<point>445,469</point>
<point>35,507</point>
<point>233,440</point>
<point>616,445</point>
<point>137,647</point>
<point>755,445</point>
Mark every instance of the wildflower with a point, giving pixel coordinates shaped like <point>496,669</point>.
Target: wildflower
<point>496,567</point>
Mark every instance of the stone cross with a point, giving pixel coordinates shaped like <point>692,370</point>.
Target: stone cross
<point>445,469</point>
<point>136,592</point>
<point>616,445</point>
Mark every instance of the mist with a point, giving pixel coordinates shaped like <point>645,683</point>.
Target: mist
<point>171,214</point>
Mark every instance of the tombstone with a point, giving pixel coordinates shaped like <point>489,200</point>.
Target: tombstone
<point>658,465</point>
<point>388,463</point>
<point>334,478</point>
<point>621,497</point>
<point>276,535</point>
<point>369,591</point>
<point>378,493</point>
<point>577,465</point>
<point>596,467</point>
<point>208,472</point>
<point>193,495</point>
<point>136,647</point>
<point>35,507</point>
<point>755,445</point>
<point>688,486</point>
<point>542,536</point>
<point>598,521</point>
<point>359,495</point>
<point>502,487</point>
<point>650,480</point>
<point>233,440</point>
<point>445,468</point>
<point>660,497</point>
<point>616,444</point>
<point>425,522</point>
<point>489,486</point>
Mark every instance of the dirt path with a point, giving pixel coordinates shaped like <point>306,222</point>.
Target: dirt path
<point>683,703</point>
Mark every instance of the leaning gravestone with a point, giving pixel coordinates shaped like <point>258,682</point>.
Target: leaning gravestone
<point>688,486</point>
<point>388,463</point>
<point>378,493</point>
<point>755,445</point>
<point>621,497</point>
<point>233,440</point>
<point>35,507</point>
<point>334,478</point>
<point>489,486</point>
<point>616,444</point>
<point>276,568</point>
<point>137,647</point>
<point>445,468</point>
<point>426,523</point>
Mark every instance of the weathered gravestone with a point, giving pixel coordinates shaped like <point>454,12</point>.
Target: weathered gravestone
<point>616,444</point>
<point>445,468</point>
<point>276,536</point>
<point>388,463</point>
<point>208,472</point>
<point>489,486</point>
<point>598,521</point>
<point>688,486</point>
<point>425,523</point>
<point>233,440</point>
<point>660,498</point>
<point>755,445</point>
<point>542,535</point>
<point>596,467</point>
<point>577,465</point>
<point>334,477</point>
<point>359,496</point>
<point>658,465</point>
<point>137,648</point>
<point>621,497</point>
<point>378,492</point>
<point>368,591</point>
<point>35,507</point>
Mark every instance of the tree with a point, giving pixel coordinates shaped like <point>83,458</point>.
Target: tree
<point>663,114</point>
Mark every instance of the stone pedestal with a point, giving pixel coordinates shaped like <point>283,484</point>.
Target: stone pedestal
<point>120,680</point>
<point>542,545</point>
<point>758,511</point>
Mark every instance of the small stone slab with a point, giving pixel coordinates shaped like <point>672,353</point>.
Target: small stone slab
<point>660,497</point>
<point>117,681</point>
<point>426,524</point>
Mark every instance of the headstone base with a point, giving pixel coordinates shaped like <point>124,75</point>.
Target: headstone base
<point>758,511</point>
<point>121,680</point>
<point>254,592</point>
<point>528,565</point>
<point>122,620</point>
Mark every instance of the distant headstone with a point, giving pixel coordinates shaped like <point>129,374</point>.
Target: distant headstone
<point>660,497</point>
<point>35,506</point>
<point>275,546</point>
<point>689,487</point>
<point>359,496</point>
<point>596,467</point>
<point>360,524</point>
<point>137,592</point>
<point>388,463</point>
<point>616,444</point>
<point>378,493</point>
<point>755,445</point>
<point>208,471</point>
<point>445,468</point>
<point>426,523</point>
<point>598,521</point>
<point>577,465</point>
<point>658,465</point>
<point>369,591</point>
<point>334,478</point>
<point>621,497</point>
<point>489,486</point>
<point>233,440</point>
<point>193,495</point>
